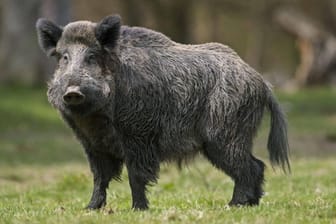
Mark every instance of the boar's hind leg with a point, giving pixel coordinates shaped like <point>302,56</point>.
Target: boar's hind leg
<point>248,180</point>
<point>104,167</point>
<point>246,171</point>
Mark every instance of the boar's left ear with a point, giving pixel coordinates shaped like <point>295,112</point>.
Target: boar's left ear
<point>107,31</point>
<point>48,35</point>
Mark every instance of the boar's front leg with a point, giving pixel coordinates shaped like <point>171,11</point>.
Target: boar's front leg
<point>142,166</point>
<point>104,167</point>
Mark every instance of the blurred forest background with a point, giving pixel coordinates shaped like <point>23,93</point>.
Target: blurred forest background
<point>291,42</point>
<point>44,175</point>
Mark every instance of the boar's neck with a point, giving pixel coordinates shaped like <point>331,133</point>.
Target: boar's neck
<point>95,132</point>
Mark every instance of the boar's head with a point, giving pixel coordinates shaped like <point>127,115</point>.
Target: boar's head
<point>87,61</point>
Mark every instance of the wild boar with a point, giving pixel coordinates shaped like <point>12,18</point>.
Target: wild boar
<point>133,96</point>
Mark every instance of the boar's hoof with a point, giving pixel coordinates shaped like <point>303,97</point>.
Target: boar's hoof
<point>93,205</point>
<point>139,207</point>
<point>251,202</point>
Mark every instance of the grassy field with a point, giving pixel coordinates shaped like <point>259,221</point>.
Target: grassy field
<point>44,176</point>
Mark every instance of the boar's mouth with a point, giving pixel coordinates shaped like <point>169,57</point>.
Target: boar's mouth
<point>81,109</point>
<point>87,107</point>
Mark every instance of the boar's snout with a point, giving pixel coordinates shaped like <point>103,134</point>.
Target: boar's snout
<point>73,96</point>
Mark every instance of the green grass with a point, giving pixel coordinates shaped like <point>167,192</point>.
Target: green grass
<point>44,177</point>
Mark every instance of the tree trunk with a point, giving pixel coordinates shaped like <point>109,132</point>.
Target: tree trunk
<point>173,18</point>
<point>256,35</point>
<point>317,48</point>
<point>19,52</point>
<point>21,60</point>
<point>133,12</point>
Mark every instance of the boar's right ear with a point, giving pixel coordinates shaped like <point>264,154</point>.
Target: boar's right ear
<point>48,35</point>
<point>107,31</point>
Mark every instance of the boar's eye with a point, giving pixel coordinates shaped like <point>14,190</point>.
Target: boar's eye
<point>91,58</point>
<point>65,58</point>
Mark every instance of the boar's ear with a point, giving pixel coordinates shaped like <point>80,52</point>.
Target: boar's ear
<point>107,31</point>
<point>48,35</point>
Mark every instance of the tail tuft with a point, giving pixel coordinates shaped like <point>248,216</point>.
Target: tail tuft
<point>277,145</point>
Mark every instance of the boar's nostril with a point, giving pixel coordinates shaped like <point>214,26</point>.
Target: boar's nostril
<point>73,96</point>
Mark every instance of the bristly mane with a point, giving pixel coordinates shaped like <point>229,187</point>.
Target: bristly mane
<point>143,37</point>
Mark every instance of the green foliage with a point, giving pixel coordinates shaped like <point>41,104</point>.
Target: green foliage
<point>31,132</point>
<point>311,110</point>
<point>44,177</point>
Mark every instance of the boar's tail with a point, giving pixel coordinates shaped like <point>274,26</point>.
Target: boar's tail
<point>277,145</point>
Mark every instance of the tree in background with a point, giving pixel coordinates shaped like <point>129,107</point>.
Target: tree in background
<point>21,60</point>
<point>315,42</point>
<point>246,26</point>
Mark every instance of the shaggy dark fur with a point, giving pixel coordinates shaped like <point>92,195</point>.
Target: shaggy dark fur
<point>133,96</point>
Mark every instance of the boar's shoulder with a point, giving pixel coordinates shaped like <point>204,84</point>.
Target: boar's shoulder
<point>143,37</point>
